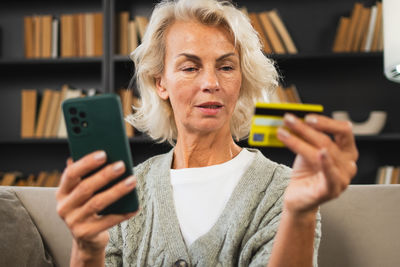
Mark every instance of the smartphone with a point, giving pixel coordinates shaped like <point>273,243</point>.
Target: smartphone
<point>96,123</point>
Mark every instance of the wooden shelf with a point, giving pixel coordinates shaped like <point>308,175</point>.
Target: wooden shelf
<point>23,61</point>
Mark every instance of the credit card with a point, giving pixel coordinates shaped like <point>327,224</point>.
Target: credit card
<point>269,116</point>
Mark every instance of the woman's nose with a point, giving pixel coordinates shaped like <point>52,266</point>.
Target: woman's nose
<point>209,81</point>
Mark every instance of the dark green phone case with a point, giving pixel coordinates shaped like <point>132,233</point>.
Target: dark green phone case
<point>96,123</point>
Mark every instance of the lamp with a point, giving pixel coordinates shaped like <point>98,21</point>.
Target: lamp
<point>391,39</point>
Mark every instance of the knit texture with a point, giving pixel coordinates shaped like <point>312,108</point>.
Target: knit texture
<point>242,236</point>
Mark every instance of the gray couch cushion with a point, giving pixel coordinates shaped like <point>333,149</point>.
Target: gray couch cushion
<point>20,241</point>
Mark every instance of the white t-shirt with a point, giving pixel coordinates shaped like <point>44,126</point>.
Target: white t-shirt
<point>201,194</point>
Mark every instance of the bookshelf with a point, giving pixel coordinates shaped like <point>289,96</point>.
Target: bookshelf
<point>340,81</point>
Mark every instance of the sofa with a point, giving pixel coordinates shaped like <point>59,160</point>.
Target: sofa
<point>359,229</point>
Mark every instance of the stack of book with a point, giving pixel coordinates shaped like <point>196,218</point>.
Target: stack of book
<point>388,175</point>
<point>41,116</point>
<point>285,95</point>
<point>46,179</point>
<point>129,32</point>
<point>362,31</point>
<point>272,32</point>
<point>71,35</point>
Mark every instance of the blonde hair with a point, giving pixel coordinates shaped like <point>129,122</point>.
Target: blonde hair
<point>259,77</point>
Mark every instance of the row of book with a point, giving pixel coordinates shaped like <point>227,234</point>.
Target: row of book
<point>129,32</point>
<point>273,33</point>
<point>71,35</point>
<point>288,94</point>
<point>41,113</point>
<point>362,31</point>
<point>44,178</point>
<point>388,175</point>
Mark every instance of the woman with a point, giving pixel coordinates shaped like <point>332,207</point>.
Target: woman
<point>208,201</point>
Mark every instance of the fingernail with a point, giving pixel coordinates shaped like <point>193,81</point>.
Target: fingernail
<point>118,166</point>
<point>350,124</point>
<point>289,118</point>
<point>130,181</point>
<point>311,119</point>
<point>324,153</point>
<point>100,155</point>
<point>283,133</point>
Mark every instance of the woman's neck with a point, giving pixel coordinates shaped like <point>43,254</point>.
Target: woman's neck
<point>193,151</point>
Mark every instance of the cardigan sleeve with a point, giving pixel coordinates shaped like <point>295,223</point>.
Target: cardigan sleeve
<point>258,248</point>
<point>263,254</point>
<point>114,247</point>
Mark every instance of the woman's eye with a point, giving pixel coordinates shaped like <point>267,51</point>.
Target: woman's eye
<point>226,68</point>
<point>189,69</point>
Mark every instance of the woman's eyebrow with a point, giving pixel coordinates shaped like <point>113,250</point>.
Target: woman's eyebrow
<point>196,58</point>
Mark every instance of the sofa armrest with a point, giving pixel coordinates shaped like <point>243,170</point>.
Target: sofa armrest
<point>40,202</point>
<point>362,227</point>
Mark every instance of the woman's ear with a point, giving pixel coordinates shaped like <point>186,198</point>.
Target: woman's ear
<point>161,90</point>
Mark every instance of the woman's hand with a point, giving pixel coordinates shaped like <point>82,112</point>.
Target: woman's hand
<point>323,167</point>
<point>78,206</point>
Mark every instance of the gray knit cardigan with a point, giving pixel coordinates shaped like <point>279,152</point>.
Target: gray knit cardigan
<point>242,236</point>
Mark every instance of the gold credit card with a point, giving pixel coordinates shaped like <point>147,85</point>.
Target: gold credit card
<point>269,116</point>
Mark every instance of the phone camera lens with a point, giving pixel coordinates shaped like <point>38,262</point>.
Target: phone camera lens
<point>82,114</point>
<point>77,130</point>
<point>73,111</point>
<point>84,124</point>
<point>74,120</point>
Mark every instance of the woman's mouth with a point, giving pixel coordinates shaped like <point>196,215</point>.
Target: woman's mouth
<point>210,108</point>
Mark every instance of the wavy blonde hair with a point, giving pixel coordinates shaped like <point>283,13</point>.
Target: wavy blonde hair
<point>259,77</point>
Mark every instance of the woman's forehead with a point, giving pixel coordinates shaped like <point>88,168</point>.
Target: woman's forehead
<point>194,37</point>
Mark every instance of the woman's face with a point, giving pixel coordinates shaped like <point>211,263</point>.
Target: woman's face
<point>201,78</point>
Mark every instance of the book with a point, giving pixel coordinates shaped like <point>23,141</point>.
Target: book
<point>126,96</point>
<point>370,31</point>
<point>58,113</point>
<point>46,35</point>
<point>141,22</point>
<point>282,31</point>
<point>292,94</point>
<point>122,32</point>
<point>89,34</point>
<point>380,174</point>
<point>354,22</point>
<point>67,36</point>
<point>271,34</point>
<point>43,112</point>
<point>365,20</point>
<point>377,28</point>
<point>360,29</point>
<point>255,22</point>
<point>81,35</point>
<point>55,38</point>
<point>133,41</point>
<point>41,178</point>
<point>37,33</point>
<point>395,175</point>
<point>98,34</point>
<point>341,34</point>
<point>9,178</point>
<point>282,94</point>
<point>30,180</point>
<point>28,37</point>
<point>388,174</point>
<point>52,179</point>
<point>70,93</point>
<point>28,113</point>
<point>55,104</point>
